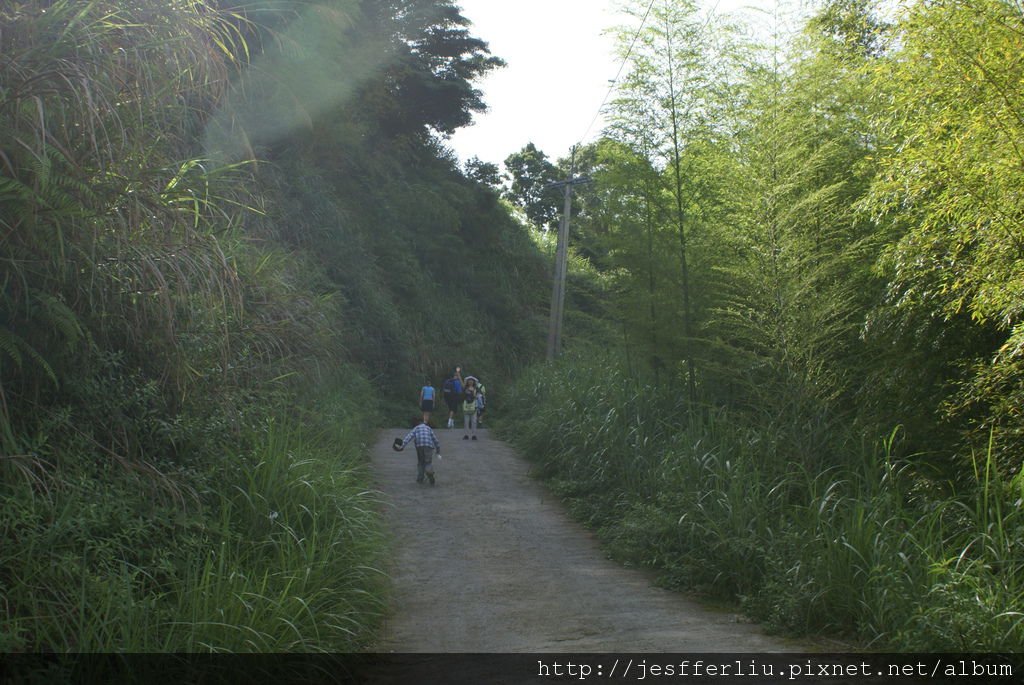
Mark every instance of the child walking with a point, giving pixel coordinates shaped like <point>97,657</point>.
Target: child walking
<point>427,446</point>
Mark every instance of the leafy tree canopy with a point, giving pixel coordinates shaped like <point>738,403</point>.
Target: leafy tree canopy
<point>429,82</point>
<point>483,172</point>
<point>531,172</point>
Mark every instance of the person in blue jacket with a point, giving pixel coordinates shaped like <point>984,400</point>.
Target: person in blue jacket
<point>427,401</point>
<point>452,391</point>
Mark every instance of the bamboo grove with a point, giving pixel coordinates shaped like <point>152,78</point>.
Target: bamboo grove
<point>805,239</point>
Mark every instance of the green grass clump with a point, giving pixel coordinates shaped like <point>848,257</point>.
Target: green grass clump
<point>291,562</point>
<point>274,547</point>
<point>870,548</point>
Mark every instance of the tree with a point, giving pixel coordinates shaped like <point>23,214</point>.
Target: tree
<point>531,173</point>
<point>433,65</point>
<point>621,223</point>
<point>794,255</point>
<point>667,107</point>
<point>951,193</point>
<point>486,173</point>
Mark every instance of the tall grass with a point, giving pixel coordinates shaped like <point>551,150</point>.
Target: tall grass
<point>869,549</point>
<point>279,551</point>
<point>292,563</point>
<point>145,339</point>
<point>156,310</point>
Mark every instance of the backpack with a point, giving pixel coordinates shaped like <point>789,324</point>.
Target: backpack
<point>448,389</point>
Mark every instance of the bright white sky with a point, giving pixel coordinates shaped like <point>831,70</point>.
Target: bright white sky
<point>560,65</point>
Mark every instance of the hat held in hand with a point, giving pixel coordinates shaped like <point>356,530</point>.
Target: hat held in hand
<point>397,445</point>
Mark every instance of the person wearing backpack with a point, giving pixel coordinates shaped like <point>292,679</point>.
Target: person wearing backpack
<point>469,408</point>
<point>452,393</point>
<point>481,403</point>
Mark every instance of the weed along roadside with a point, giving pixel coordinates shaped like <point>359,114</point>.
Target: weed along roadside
<point>205,304</point>
<point>278,552</point>
<point>781,288</point>
<point>859,554</point>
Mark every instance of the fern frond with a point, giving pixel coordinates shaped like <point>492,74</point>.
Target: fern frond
<point>9,345</point>
<point>59,316</point>
<point>13,345</point>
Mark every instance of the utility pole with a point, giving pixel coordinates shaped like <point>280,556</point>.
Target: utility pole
<point>561,264</point>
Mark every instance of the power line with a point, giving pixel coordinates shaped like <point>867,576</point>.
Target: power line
<point>562,250</point>
<point>622,66</point>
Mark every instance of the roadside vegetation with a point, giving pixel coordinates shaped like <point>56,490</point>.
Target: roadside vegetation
<point>806,255</point>
<point>870,549</point>
<point>231,247</point>
<point>233,244</point>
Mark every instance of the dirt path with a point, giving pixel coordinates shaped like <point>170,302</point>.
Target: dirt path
<point>488,561</point>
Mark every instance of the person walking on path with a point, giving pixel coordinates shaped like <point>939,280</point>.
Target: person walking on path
<point>469,408</point>
<point>481,403</point>
<point>427,401</point>
<point>452,392</point>
<point>427,446</point>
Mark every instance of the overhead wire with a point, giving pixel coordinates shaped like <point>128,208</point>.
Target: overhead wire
<point>622,66</point>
